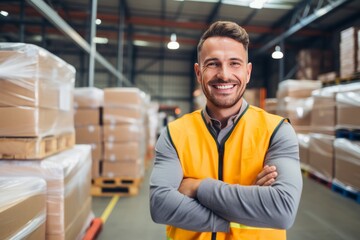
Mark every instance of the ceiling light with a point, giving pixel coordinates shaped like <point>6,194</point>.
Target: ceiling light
<point>98,21</point>
<point>258,4</point>
<point>4,13</point>
<point>277,54</point>
<point>173,44</point>
<point>101,40</point>
<point>141,43</point>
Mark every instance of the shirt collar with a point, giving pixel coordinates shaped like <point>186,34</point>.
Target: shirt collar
<point>216,123</point>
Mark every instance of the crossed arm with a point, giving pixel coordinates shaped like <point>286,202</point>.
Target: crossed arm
<point>210,205</point>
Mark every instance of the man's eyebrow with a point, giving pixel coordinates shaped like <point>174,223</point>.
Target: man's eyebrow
<point>237,59</point>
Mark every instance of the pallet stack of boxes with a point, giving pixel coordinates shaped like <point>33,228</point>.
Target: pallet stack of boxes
<point>88,102</point>
<point>125,142</point>
<point>37,147</point>
<point>349,52</point>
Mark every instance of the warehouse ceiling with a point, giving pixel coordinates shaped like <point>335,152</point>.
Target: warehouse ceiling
<point>147,25</point>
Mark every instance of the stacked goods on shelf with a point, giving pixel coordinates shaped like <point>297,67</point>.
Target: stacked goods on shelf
<point>36,92</point>
<point>347,145</point>
<point>68,179</point>
<point>304,140</point>
<point>320,153</point>
<point>125,142</point>
<point>271,105</point>
<point>312,62</point>
<point>37,136</point>
<point>296,103</point>
<point>323,116</point>
<point>152,116</point>
<point>17,219</point>
<point>88,102</point>
<point>349,52</point>
<point>347,164</point>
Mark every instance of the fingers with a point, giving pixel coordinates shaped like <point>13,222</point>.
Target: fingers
<point>267,176</point>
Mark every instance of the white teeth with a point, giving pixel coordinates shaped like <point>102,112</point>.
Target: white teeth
<point>224,86</point>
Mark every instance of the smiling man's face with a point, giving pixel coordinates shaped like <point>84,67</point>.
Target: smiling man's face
<point>223,72</point>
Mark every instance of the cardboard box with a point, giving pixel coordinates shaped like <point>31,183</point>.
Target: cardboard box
<point>17,219</point>
<point>34,122</point>
<point>130,151</point>
<point>33,77</point>
<point>88,97</point>
<point>304,140</point>
<point>297,88</point>
<point>131,169</point>
<point>348,109</point>
<point>88,134</point>
<point>121,115</point>
<point>86,116</point>
<point>120,97</point>
<point>127,132</point>
<point>347,162</point>
<point>321,157</point>
<point>68,178</point>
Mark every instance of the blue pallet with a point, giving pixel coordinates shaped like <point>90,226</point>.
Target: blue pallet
<point>355,195</point>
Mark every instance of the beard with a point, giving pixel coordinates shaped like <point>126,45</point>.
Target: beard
<point>223,101</point>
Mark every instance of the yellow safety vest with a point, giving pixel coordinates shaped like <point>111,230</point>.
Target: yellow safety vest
<point>238,161</point>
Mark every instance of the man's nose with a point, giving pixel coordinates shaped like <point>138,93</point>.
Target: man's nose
<point>224,73</point>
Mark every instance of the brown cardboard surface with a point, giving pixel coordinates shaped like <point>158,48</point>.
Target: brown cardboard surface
<point>122,97</point>
<point>68,178</point>
<point>42,79</point>
<point>321,157</point>
<point>96,151</point>
<point>324,112</point>
<point>86,116</point>
<point>34,122</point>
<point>120,115</point>
<point>129,151</point>
<point>88,134</point>
<point>88,97</point>
<point>131,169</point>
<point>16,216</point>
<point>126,132</point>
<point>347,162</point>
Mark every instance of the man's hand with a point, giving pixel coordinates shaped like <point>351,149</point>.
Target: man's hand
<point>189,187</point>
<point>267,176</point>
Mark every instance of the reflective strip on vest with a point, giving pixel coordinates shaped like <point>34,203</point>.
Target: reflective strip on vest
<point>238,225</point>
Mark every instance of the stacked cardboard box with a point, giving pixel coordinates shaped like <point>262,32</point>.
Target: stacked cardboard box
<point>349,48</point>
<point>321,159</point>
<point>304,140</point>
<point>124,133</point>
<point>68,179</point>
<point>36,96</point>
<point>348,107</point>
<point>17,220</point>
<point>296,103</point>
<point>88,102</point>
<point>36,92</point>
<point>347,162</point>
<point>312,62</point>
<point>271,105</point>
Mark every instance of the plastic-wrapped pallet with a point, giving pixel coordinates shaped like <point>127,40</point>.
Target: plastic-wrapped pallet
<point>68,179</point>
<point>22,208</point>
<point>88,102</point>
<point>36,92</point>
<point>124,133</point>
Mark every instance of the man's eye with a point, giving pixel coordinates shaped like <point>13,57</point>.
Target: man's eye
<point>212,64</point>
<point>235,64</point>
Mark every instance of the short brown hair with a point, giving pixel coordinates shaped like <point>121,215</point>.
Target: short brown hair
<point>225,29</point>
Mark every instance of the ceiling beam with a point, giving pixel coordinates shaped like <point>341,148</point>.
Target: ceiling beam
<point>302,18</point>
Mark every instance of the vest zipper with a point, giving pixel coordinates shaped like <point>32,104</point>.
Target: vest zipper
<point>220,172</point>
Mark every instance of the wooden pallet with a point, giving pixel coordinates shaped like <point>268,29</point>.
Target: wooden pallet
<point>34,148</point>
<point>116,181</point>
<point>351,79</point>
<point>102,191</point>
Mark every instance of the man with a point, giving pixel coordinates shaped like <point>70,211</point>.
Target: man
<point>230,171</point>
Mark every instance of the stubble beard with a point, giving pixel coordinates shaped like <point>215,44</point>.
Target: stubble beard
<point>220,102</point>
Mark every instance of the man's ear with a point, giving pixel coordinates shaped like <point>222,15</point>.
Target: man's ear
<point>249,69</point>
<point>197,72</point>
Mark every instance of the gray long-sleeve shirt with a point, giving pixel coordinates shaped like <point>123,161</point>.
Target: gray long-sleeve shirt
<point>219,203</point>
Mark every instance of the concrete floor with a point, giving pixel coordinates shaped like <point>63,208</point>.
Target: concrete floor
<point>323,215</point>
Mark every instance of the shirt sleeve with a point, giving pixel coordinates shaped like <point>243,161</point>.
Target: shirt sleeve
<point>272,206</point>
<point>167,204</point>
